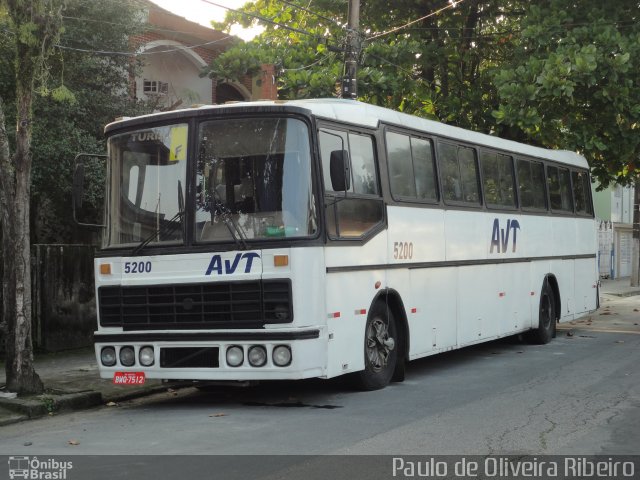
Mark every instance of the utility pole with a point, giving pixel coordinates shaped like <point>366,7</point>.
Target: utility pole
<point>352,50</point>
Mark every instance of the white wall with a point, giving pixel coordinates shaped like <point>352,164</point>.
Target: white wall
<point>181,71</point>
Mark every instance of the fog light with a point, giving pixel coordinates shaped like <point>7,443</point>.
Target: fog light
<point>146,356</point>
<point>282,356</point>
<point>108,356</point>
<point>257,356</point>
<point>235,356</point>
<point>127,356</point>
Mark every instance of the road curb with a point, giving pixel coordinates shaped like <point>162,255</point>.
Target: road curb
<point>36,406</point>
<point>49,403</point>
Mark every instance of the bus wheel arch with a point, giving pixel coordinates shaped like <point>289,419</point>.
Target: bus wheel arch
<point>548,312</point>
<point>384,343</point>
<point>551,280</point>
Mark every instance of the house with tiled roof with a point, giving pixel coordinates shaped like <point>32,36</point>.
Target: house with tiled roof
<point>173,52</point>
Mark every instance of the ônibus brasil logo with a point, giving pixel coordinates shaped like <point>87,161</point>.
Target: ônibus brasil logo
<point>36,469</point>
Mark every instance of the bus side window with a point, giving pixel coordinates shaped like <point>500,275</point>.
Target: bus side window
<point>497,176</point>
<point>353,213</point>
<point>411,169</point>
<point>400,165</point>
<point>424,169</point>
<point>459,171</point>
<point>363,167</point>
<point>581,189</point>
<point>448,160</point>
<point>531,185</point>
<point>559,189</point>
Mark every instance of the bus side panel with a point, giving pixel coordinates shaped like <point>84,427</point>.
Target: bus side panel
<point>586,276</point>
<point>514,298</point>
<point>433,325</point>
<point>348,295</point>
<point>477,300</point>
<point>466,235</point>
<point>585,286</point>
<point>416,235</point>
<point>564,243</point>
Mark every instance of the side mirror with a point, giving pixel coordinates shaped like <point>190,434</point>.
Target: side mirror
<point>339,171</point>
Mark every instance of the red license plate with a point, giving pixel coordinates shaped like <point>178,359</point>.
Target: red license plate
<point>128,378</point>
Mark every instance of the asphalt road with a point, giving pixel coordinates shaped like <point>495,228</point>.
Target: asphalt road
<point>578,395</point>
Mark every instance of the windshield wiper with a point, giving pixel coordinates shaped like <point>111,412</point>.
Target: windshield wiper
<point>168,227</point>
<point>225,214</point>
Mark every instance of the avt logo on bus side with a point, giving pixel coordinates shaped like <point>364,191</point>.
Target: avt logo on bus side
<point>500,236</point>
<point>216,265</point>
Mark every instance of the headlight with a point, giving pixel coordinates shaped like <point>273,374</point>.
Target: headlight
<point>127,356</point>
<point>257,356</point>
<point>108,356</point>
<point>146,356</point>
<point>282,356</point>
<point>235,356</point>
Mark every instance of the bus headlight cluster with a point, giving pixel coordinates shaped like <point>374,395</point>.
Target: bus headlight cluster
<point>146,356</point>
<point>257,356</point>
<point>235,356</point>
<point>127,356</point>
<point>282,356</point>
<point>108,356</point>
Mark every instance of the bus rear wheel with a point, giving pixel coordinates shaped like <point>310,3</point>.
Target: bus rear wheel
<point>546,317</point>
<point>380,349</point>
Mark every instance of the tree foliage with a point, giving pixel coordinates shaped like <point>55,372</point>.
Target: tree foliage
<point>83,92</point>
<point>573,83</point>
<point>550,73</point>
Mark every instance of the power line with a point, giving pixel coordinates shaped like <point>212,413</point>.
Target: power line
<point>313,13</point>
<point>306,66</point>
<point>258,17</point>
<point>452,4</point>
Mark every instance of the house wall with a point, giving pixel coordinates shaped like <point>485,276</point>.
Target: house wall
<point>614,209</point>
<point>181,71</point>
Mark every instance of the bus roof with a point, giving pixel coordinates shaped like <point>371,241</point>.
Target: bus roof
<point>366,115</point>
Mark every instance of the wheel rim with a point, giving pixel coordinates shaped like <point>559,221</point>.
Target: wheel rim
<point>379,344</point>
<point>545,310</point>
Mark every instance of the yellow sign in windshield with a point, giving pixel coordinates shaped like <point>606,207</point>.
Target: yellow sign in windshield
<point>178,147</point>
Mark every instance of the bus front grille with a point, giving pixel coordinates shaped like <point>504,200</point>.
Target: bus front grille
<point>247,304</point>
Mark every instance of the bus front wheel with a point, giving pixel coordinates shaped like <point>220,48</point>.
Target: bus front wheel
<point>546,317</point>
<point>380,349</point>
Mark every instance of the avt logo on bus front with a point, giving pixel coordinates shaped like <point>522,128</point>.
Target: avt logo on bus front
<point>216,264</point>
<point>500,236</point>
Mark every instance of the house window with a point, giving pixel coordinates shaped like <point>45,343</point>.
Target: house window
<point>155,87</point>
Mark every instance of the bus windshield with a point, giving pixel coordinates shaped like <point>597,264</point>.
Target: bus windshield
<point>254,180</point>
<point>147,180</point>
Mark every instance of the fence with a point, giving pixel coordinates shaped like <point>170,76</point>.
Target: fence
<point>63,296</point>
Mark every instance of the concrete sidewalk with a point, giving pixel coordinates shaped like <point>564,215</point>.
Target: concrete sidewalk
<point>72,382</point>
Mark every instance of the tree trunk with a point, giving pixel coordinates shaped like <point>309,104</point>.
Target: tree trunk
<point>16,284</point>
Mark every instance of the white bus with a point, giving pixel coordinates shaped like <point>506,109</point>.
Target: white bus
<point>316,238</point>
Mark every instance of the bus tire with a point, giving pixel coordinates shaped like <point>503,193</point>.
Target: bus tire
<point>546,316</point>
<point>380,349</point>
